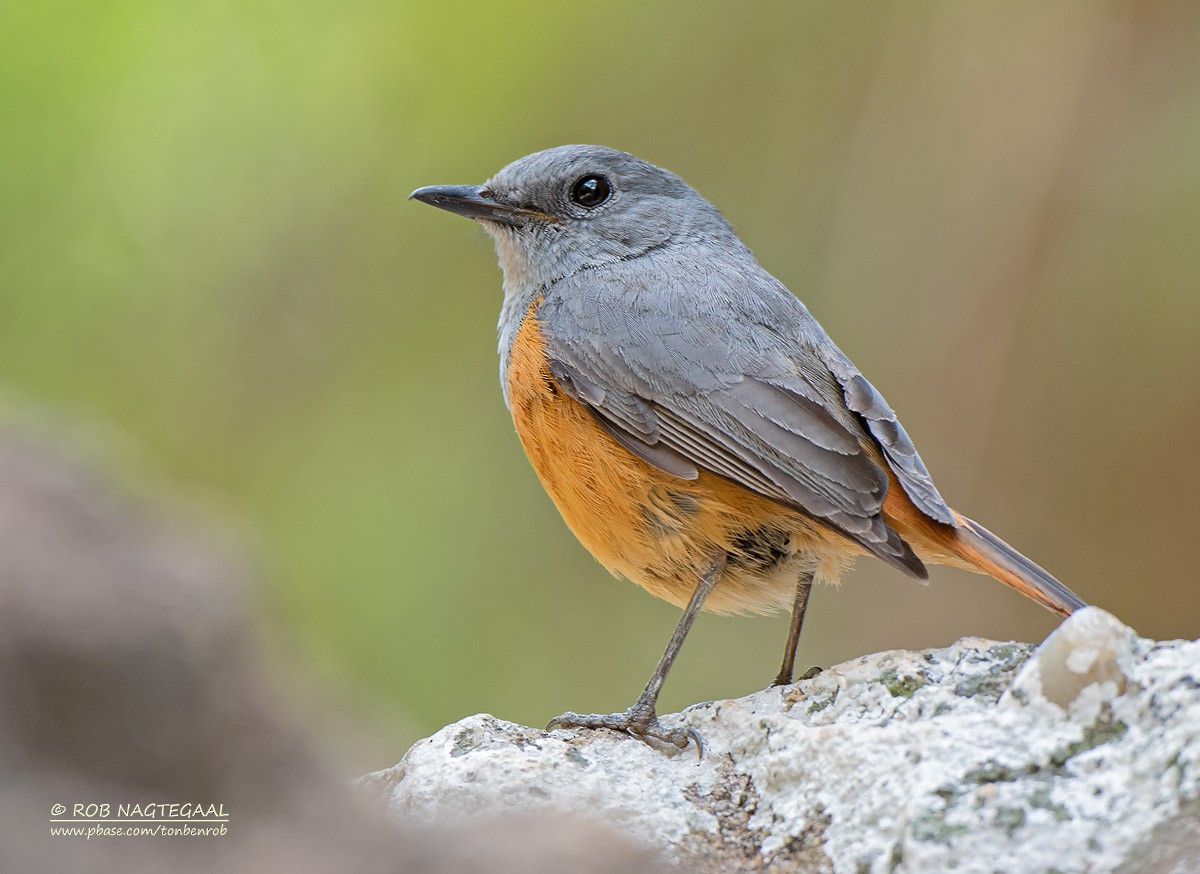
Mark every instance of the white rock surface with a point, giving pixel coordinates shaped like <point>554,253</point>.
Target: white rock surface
<point>1084,756</point>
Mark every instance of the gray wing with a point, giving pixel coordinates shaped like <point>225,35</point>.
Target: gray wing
<point>667,378</point>
<point>863,399</point>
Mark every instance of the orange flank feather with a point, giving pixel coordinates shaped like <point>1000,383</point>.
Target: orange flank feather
<point>657,530</point>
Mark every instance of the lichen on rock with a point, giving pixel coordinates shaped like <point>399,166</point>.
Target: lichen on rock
<point>1083,754</point>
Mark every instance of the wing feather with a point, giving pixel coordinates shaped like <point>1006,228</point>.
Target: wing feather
<point>766,409</point>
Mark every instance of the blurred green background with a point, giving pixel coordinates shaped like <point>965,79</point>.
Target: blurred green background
<point>993,208</point>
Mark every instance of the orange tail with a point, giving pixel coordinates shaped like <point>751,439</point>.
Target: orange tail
<point>986,552</point>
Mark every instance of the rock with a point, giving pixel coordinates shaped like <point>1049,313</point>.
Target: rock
<point>1081,755</point>
<point>1092,652</point>
<point>130,674</point>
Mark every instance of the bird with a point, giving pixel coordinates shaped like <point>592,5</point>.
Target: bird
<point>697,429</point>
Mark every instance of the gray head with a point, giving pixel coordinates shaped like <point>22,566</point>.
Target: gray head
<point>556,212</point>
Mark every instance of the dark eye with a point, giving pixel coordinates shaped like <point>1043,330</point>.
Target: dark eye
<point>590,191</point>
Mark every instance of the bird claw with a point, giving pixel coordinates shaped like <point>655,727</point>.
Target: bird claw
<point>641,723</point>
<point>785,679</point>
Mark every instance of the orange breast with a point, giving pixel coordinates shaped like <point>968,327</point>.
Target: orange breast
<point>659,531</point>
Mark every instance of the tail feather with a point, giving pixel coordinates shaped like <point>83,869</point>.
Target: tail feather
<point>988,553</point>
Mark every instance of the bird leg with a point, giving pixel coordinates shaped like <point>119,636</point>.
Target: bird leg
<point>641,720</point>
<point>803,587</point>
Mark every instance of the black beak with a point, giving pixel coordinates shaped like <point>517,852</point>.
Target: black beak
<point>475,202</point>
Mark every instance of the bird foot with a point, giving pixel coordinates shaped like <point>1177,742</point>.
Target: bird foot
<point>638,721</point>
<point>786,679</point>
